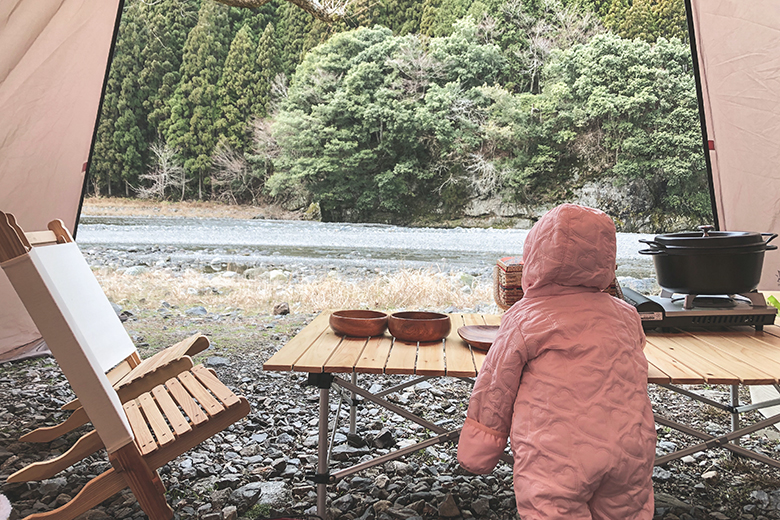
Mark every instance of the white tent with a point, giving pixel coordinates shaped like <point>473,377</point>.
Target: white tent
<point>52,67</point>
<point>54,60</point>
<point>738,50</point>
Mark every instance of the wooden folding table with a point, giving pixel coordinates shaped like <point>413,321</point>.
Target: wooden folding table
<point>734,357</point>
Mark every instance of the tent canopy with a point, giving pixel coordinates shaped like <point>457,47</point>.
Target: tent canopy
<point>52,69</point>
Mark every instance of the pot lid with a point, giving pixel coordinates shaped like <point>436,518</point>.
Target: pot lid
<point>708,238</point>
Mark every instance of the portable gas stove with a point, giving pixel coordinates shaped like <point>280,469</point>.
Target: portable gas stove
<point>671,310</point>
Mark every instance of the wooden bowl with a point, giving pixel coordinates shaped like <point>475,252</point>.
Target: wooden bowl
<point>419,326</point>
<point>358,323</point>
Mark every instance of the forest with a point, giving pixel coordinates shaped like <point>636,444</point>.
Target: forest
<point>402,111</point>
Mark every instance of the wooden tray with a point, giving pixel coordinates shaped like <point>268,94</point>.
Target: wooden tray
<point>480,337</point>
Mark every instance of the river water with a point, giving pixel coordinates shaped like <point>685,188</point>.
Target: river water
<point>324,244</point>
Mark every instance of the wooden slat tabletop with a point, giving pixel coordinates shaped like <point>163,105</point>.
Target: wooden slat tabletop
<point>733,357</point>
<point>318,349</point>
<point>737,356</point>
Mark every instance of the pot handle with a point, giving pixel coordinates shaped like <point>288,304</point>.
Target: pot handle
<point>661,251</point>
<point>771,236</point>
<point>655,245</point>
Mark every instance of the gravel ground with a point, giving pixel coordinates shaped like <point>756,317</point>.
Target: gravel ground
<point>260,467</point>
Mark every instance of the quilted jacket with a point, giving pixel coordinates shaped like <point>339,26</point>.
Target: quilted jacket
<point>566,382</point>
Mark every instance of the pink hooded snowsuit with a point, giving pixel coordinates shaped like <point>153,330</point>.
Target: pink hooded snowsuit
<point>566,380</point>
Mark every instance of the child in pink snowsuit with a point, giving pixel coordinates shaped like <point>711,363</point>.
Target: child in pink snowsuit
<point>566,380</point>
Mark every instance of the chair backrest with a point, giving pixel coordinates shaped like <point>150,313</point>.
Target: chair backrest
<point>75,318</point>
<point>85,299</point>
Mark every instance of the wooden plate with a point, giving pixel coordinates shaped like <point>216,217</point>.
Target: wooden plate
<point>479,336</point>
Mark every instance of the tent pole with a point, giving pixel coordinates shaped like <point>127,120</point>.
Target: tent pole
<point>86,168</point>
<point>702,118</point>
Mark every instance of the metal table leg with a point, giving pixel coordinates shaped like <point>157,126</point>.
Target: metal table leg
<point>353,408</point>
<point>735,412</point>
<point>322,454</point>
<point>322,381</point>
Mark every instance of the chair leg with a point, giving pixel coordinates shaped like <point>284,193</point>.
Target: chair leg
<point>76,419</point>
<point>144,482</point>
<point>84,447</point>
<point>97,490</point>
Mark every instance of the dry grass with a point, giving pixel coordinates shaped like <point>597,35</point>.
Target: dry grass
<point>117,206</point>
<point>407,289</point>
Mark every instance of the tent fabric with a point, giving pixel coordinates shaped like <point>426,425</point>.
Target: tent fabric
<point>738,47</point>
<point>52,68</point>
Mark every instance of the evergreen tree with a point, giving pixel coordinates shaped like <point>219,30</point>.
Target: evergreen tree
<point>118,159</point>
<point>449,12</point>
<point>237,90</point>
<point>294,25</point>
<point>413,11</point>
<point>672,19</point>
<point>428,16</point>
<point>639,22</point>
<point>367,13</point>
<point>170,22</point>
<point>269,64</point>
<point>194,104</point>
<point>648,19</point>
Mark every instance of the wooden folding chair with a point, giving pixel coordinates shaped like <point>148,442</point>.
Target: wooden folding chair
<point>114,351</point>
<point>145,433</point>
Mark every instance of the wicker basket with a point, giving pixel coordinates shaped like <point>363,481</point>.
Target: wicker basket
<point>508,282</point>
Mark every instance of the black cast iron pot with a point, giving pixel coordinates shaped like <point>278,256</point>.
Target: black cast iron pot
<point>709,262</point>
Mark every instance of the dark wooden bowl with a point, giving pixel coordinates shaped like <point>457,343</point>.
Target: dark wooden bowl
<point>419,326</point>
<point>358,323</point>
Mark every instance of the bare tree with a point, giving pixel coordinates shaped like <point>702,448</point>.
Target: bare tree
<point>416,68</point>
<point>233,178</point>
<point>485,177</point>
<point>165,176</point>
<point>559,27</point>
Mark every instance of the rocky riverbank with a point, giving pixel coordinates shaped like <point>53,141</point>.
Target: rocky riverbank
<point>261,466</point>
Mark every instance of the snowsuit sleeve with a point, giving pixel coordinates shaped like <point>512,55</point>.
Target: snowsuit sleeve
<point>488,422</point>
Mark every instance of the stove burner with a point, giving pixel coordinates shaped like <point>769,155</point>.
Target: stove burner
<point>716,301</point>
<point>669,311</point>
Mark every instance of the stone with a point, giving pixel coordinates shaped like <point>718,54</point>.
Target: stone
<point>345,452</point>
<point>273,493</point>
<point>277,276</point>
<point>344,503</point>
<point>664,500</point>
<point>448,508</point>
<point>381,506</point>
<point>281,309</point>
<point>217,361</point>
<point>480,506</point>
<point>52,486</point>
<point>196,311</point>
<point>762,497</point>
<point>136,270</point>
<point>229,481</point>
<point>710,476</point>
<point>661,474</point>
<point>384,439</point>
<point>254,273</point>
